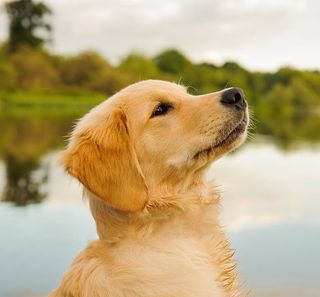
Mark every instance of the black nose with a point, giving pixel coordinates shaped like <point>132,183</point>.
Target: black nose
<point>234,97</point>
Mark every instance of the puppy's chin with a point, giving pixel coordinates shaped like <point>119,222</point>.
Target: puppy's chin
<point>231,143</point>
<point>228,140</point>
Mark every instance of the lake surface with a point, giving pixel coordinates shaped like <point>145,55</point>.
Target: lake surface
<point>271,209</point>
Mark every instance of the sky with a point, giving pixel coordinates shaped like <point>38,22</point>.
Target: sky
<point>259,34</point>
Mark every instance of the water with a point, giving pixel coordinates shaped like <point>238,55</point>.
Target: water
<point>271,207</point>
<point>271,204</point>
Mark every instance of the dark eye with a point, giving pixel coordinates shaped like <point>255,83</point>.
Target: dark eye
<point>161,109</point>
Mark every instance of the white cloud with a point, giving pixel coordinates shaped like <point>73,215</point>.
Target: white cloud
<point>259,34</point>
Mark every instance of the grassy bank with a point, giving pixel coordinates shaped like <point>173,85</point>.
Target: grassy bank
<point>47,104</point>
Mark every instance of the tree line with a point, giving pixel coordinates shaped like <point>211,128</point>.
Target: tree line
<point>31,69</point>
<point>287,97</point>
<point>26,65</point>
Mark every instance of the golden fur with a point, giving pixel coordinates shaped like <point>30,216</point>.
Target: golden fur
<point>156,215</point>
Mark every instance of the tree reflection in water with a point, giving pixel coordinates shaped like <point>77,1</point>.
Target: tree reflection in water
<point>26,180</point>
<point>24,142</point>
<point>28,134</point>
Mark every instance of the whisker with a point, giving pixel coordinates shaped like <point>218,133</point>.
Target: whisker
<point>195,89</point>
<point>228,82</point>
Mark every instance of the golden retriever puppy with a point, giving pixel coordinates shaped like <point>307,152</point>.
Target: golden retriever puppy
<point>142,156</point>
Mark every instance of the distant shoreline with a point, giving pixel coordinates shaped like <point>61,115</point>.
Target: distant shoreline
<point>54,100</point>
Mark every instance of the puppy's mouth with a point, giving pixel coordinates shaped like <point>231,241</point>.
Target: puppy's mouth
<point>226,137</point>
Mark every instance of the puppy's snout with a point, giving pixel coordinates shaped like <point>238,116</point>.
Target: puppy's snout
<point>233,97</point>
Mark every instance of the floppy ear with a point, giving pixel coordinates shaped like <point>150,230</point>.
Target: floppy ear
<point>101,156</point>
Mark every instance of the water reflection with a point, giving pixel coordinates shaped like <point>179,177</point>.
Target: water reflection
<point>24,181</point>
<point>290,133</point>
<point>267,186</point>
<point>269,209</point>
<point>270,198</point>
<point>23,143</point>
<point>29,134</point>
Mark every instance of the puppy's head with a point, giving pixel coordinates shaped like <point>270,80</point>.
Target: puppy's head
<point>153,138</point>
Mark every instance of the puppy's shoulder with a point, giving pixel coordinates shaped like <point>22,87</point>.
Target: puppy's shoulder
<point>87,275</point>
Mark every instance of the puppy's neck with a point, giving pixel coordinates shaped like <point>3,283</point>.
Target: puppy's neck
<point>114,225</point>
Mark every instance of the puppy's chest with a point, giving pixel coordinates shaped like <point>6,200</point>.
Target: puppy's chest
<point>176,260</point>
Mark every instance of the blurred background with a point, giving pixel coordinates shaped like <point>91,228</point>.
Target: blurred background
<point>59,58</point>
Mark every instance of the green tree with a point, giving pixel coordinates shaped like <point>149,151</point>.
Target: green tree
<point>7,71</point>
<point>34,69</point>
<point>139,67</point>
<point>172,61</point>
<point>81,69</point>
<point>90,71</point>
<point>26,18</point>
